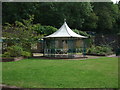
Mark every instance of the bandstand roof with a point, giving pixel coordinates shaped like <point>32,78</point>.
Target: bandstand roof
<point>65,31</point>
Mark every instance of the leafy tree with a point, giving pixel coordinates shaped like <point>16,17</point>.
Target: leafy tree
<point>21,33</point>
<point>117,25</point>
<point>102,17</point>
<point>107,15</point>
<point>44,30</point>
<point>81,32</point>
<point>91,22</point>
<point>52,13</point>
<point>14,11</point>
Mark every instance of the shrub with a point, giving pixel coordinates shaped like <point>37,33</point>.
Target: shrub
<point>26,54</point>
<point>44,30</point>
<point>6,54</point>
<point>16,51</point>
<point>49,30</point>
<point>81,33</point>
<point>100,50</point>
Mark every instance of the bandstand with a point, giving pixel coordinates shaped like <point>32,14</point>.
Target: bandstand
<point>64,43</point>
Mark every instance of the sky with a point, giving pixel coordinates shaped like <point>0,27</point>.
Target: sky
<point>114,1</point>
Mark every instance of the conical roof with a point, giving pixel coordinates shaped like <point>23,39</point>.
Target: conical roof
<point>65,31</point>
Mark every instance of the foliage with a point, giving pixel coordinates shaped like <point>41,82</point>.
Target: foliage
<point>49,30</point>
<point>44,30</point>
<point>89,41</point>
<point>84,16</point>
<point>100,50</point>
<point>16,51</point>
<point>107,17</point>
<point>48,73</point>
<point>6,54</point>
<point>91,22</point>
<point>21,33</point>
<point>51,13</point>
<point>81,32</point>
<point>26,54</point>
<point>95,16</point>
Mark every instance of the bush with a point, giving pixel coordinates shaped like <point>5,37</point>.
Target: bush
<point>26,54</point>
<point>81,33</point>
<point>100,50</point>
<point>16,51</point>
<point>6,54</point>
<point>44,30</point>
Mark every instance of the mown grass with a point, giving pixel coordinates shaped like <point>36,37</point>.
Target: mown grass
<point>38,73</point>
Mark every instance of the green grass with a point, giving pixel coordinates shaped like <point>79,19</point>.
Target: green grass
<point>38,73</point>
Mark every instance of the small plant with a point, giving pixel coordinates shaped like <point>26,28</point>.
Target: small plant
<point>100,50</point>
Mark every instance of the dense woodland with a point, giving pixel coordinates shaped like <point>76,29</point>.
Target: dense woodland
<point>102,17</point>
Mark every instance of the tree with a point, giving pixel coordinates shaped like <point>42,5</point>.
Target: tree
<point>21,33</point>
<point>78,15</point>
<point>117,25</point>
<point>14,11</point>
<point>91,22</point>
<point>44,30</point>
<point>102,17</point>
<point>107,15</point>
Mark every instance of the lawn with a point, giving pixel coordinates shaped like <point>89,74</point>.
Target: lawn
<point>38,73</point>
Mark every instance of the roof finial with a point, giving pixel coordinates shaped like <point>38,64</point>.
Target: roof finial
<point>64,20</point>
